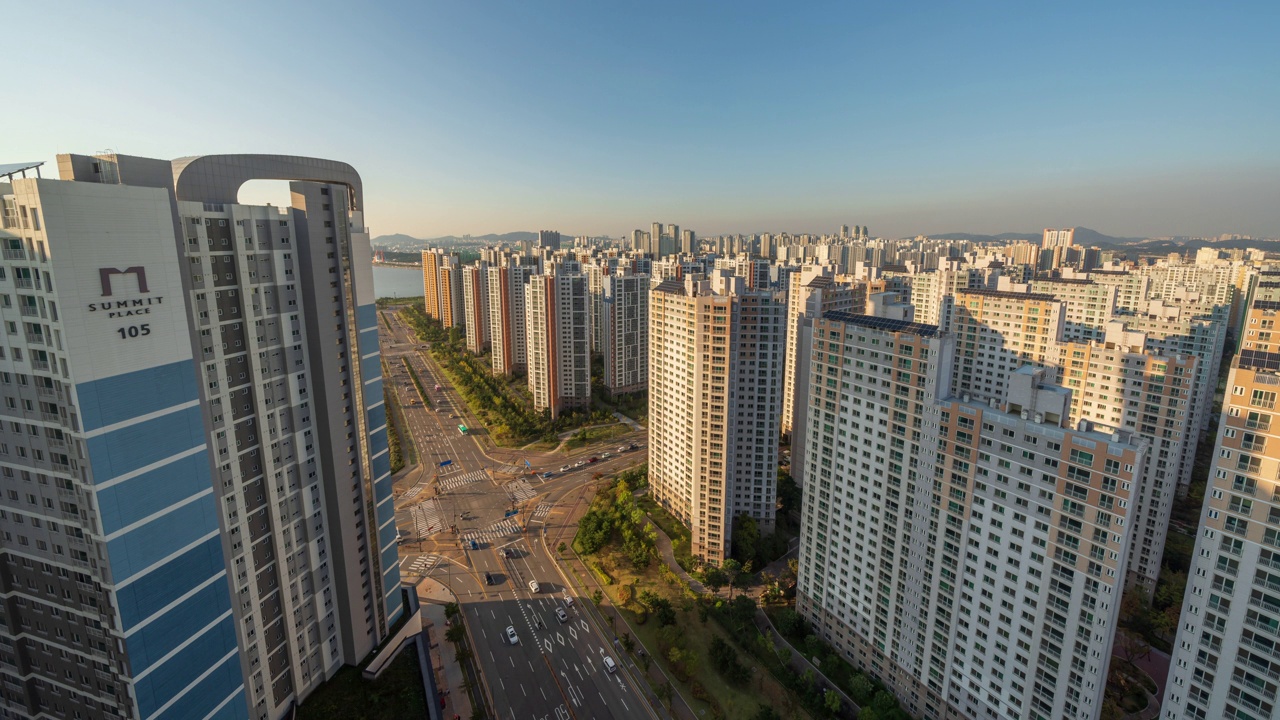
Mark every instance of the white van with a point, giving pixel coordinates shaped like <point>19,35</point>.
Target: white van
<point>609,664</point>
<point>533,586</point>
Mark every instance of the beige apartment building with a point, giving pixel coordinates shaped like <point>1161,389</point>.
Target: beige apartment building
<point>715,390</point>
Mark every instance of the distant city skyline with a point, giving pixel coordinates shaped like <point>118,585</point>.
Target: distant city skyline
<point>1142,119</point>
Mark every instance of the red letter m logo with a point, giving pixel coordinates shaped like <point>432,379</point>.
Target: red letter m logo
<point>139,272</point>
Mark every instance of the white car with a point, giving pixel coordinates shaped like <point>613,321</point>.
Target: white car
<point>534,586</point>
<point>511,636</point>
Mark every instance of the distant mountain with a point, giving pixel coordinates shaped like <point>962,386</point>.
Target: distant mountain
<point>1084,236</point>
<point>402,240</point>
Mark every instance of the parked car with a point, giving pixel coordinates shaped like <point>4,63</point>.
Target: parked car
<point>512,637</point>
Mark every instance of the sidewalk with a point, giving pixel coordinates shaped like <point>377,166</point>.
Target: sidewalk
<point>799,663</point>
<point>628,421</point>
<point>663,544</point>
<point>449,673</point>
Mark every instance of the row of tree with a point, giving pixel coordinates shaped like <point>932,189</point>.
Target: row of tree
<point>614,518</point>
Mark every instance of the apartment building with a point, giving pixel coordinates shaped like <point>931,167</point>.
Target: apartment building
<point>715,391</point>
<point>507,281</point>
<point>971,555</point>
<point>194,451</point>
<point>431,259</point>
<point>998,332</point>
<point>475,306</point>
<point>1226,657</point>
<point>810,299</point>
<point>452,306</point>
<point>556,328</point>
<point>1118,384</point>
<point>1086,305</point>
<point>624,322</point>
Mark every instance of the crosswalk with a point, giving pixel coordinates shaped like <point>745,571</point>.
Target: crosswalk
<point>540,512</point>
<point>510,469</point>
<point>426,518</point>
<point>520,491</point>
<point>453,482</point>
<point>412,492</point>
<point>423,565</point>
<point>497,530</point>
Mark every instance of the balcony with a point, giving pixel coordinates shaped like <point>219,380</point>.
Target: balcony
<point>15,254</point>
<point>21,281</point>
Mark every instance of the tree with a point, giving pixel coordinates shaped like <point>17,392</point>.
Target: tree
<point>790,623</point>
<point>731,569</point>
<point>746,537</point>
<point>451,610</point>
<point>831,700</point>
<point>456,633</point>
<point>861,689</point>
<point>714,578</point>
<point>743,609</point>
<point>766,712</point>
<point>884,702</point>
<point>597,597</point>
<point>1173,585</point>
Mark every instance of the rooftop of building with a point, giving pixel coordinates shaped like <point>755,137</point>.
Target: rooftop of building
<point>879,323</point>
<point>1258,360</point>
<point>1041,297</point>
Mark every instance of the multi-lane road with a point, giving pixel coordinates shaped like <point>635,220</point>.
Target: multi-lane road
<point>479,524</point>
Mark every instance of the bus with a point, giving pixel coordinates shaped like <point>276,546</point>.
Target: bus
<point>462,429</point>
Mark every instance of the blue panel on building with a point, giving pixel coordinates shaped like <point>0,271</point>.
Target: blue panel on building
<point>387,536</point>
<point>160,636</point>
<point>120,397</point>
<point>129,501</point>
<point>382,466</point>
<point>377,417</point>
<point>148,544</point>
<point>135,446</point>
<point>169,679</point>
<point>370,368</point>
<point>145,596</point>
<point>395,606</point>
<point>366,317</point>
<point>237,708</point>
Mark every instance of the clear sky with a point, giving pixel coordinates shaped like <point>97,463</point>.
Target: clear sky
<point>1133,118</point>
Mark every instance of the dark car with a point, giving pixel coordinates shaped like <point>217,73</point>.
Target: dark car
<point>488,578</point>
<point>594,459</point>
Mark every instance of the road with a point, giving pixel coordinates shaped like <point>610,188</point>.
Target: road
<point>485,512</point>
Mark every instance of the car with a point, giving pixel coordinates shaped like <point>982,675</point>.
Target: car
<point>508,553</point>
<point>580,463</point>
<point>475,545</point>
<point>594,459</point>
<point>565,468</point>
<point>633,446</point>
<point>534,586</point>
<point>568,600</point>
<point>511,635</point>
<point>609,664</point>
<point>622,448</point>
<point>561,615</point>
<point>605,456</point>
<point>547,474</point>
<point>488,578</point>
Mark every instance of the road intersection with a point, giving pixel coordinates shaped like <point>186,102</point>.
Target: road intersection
<point>479,523</point>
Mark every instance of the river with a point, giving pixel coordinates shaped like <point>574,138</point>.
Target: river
<point>397,281</point>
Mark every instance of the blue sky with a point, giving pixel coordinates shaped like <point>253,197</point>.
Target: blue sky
<point>1135,118</point>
